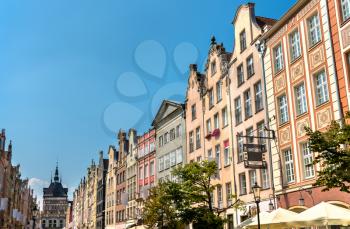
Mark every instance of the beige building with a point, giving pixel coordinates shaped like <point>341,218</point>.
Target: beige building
<point>246,94</point>
<point>111,189</point>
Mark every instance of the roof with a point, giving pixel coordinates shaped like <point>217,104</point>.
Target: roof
<point>166,103</point>
<point>262,21</point>
<point>55,190</point>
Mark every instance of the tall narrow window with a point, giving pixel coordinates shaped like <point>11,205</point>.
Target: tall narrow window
<point>193,111</point>
<point>294,45</point>
<point>211,98</point>
<point>217,156</point>
<point>250,135</point>
<point>240,147</point>
<point>208,126</point>
<point>242,184</point>
<point>151,168</point>
<point>191,142</point>
<point>322,95</point>
<point>252,179</point>
<point>283,109</point>
<point>247,104</point>
<point>278,58</point>
<point>198,138</point>
<point>173,158</point>
<point>218,91</point>
<point>219,193</point>
<point>146,170</point>
<point>216,121</point>
<point>228,194</point>
<point>261,132</point>
<point>307,160</point>
<point>240,75</point>
<point>345,8</point>
<point>179,155</point>
<point>167,161</point>
<point>250,66</point>
<point>224,117</point>
<point>238,110</point>
<point>210,154</point>
<point>289,165</point>
<point>300,98</point>
<point>227,160</point>
<point>258,97</point>
<point>243,40</point>
<point>178,130</point>
<point>160,139</point>
<point>314,30</point>
<point>265,178</point>
<point>213,67</point>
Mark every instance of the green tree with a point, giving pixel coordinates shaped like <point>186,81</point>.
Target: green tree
<point>333,155</point>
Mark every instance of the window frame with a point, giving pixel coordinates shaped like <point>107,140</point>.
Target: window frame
<point>289,165</point>
<point>243,40</point>
<point>250,67</point>
<point>258,94</point>
<point>301,105</point>
<point>285,108</point>
<point>242,189</point>
<point>323,86</point>
<point>278,61</point>
<point>247,96</point>
<point>294,45</point>
<point>238,110</point>
<point>312,43</point>
<point>342,10</point>
<point>218,91</point>
<point>240,75</point>
<point>307,168</point>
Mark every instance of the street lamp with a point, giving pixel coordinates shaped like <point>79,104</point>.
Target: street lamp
<point>34,210</point>
<point>256,191</point>
<point>271,207</point>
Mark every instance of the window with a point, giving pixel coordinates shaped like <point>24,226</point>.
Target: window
<point>179,155</point>
<point>173,158</point>
<point>227,160</point>
<point>224,117</point>
<point>172,134</point>
<point>243,40</point>
<point>166,138</point>
<point>250,135</point>
<point>216,121</point>
<point>250,66</point>
<point>314,30</point>
<point>265,179</point>
<point>208,126</point>
<point>151,146</point>
<point>230,221</point>
<point>247,104</point>
<point>294,45</point>
<point>348,61</point>
<point>193,110</point>
<point>210,154</point>
<point>199,158</point>
<point>300,97</point>
<point>321,88</point>
<point>211,98</point>
<point>228,194</point>
<point>242,184</point>
<point>151,168</point>
<point>178,131</point>
<point>283,109</point>
<point>219,192</point>
<point>146,170</point>
<point>213,67</point>
<point>146,148</point>
<point>198,138</point>
<point>261,132</point>
<point>278,58</point>
<point>307,160</point>
<point>191,142</point>
<point>218,91</point>
<point>217,156</point>
<point>240,147</point>
<point>289,165</point>
<point>345,8</point>
<point>161,164</point>
<point>240,75</point>
<point>252,178</point>
<point>258,97</point>
<point>238,110</point>
<point>141,173</point>
<point>167,161</point>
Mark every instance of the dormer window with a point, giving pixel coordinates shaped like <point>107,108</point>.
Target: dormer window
<point>213,67</point>
<point>243,40</point>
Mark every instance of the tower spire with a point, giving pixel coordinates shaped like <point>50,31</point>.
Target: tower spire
<point>56,178</point>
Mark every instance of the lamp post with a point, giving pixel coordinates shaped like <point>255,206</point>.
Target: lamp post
<point>271,206</point>
<point>34,210</point>
<point>256,191</point>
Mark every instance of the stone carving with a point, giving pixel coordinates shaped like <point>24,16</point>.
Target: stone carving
<point>284,135</point>
<point>324,118</point>
<point>280,83</point>
<point>346,36</point>
<point>297,70</point>
<point>301,126</point>
<point>316,57</point>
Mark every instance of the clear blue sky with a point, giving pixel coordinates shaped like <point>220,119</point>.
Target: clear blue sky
<point>73,72</point>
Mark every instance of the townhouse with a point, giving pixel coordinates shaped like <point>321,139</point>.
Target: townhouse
<point>302,91</point>
<point>111,188</point>
<point>102,168</point>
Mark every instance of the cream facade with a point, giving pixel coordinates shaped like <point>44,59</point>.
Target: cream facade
<point>111,189</point>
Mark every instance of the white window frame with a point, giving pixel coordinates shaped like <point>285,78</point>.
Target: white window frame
<point>217,155</point>
<point>289,166</point>
<point>248,111</point>
<point>243,40</point>
<point>238,110</point>
<point>218,91</point>
<point>250,66</point>
<point>240,75</point>
<point>278,58</point>
<point>240,153</point>
<point>314,29</point>
<point>345,9</point>
<point>321,88</point>
<point>283,109</point>
<point>208,122</point>
<point>242,184</point>
<point>265,182</point>
<point>294,45</point>
<point>300,99</point>
<point>216,121</point>
<point>252,178</point>
<point>227,160</point>
<point>307,155</point>
<point>259,104</point>
<point>224,117</point>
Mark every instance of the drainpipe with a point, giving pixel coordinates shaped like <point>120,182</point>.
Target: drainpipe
<point>261,49</point>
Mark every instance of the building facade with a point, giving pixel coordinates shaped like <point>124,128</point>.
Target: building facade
<point>111,188</point>
<point>102,169</point>
<point>246,95</point>
<point>55,203</point>
<point>169,124</point>
<point>131,177</point>
<point>302,91</point>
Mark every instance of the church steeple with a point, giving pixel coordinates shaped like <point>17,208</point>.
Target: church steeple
<point>56,178</point>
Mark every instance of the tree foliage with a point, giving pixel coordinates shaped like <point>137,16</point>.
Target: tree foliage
<point>333,155</point>
<point>189,200</point>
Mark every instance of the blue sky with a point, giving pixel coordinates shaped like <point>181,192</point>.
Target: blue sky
<point>73,72</point>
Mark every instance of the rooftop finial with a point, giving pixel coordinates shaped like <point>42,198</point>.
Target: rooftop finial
<point>56,178</point>
<point>213,40</point>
